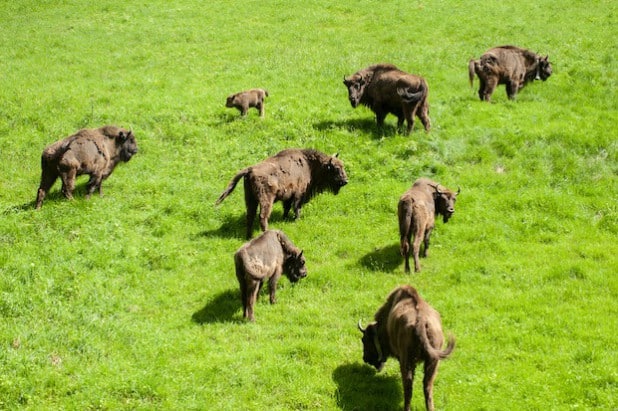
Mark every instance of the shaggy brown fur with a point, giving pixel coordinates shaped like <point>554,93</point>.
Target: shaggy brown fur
<point>409,329</point>
<point>266,258</point>
<point>417,211</point>
<point>292,176</point>
<point>386,89</point>
<point>95,152</point>
<point>247,99</point>
<point>509,65</point>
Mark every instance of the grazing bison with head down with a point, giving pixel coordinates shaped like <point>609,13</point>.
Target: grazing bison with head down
<point>386,89</point>
<point>95,152</point>
<point>292,176</point>
<point>265,258</point>
<point>409,329</point>
<point>509,65</point>
<point>417,211</point>
<point>247,99</point>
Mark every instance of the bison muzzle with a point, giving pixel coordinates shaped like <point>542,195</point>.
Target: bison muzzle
<point>409,329</point>
<point>266,258</point>
<point>95,152</point>
<point>292,176</point>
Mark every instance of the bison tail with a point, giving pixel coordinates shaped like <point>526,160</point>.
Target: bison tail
<point>471,71</point>
<point>232,184</point>
<point>431,351</point>
<point>405,225</point>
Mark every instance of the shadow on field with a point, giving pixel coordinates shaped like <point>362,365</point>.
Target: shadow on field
<point>235,227</point>
<point>51,197</point>
<point>364,124</point>
<point>359,387</point>
<point>382,259</point>
<point>219,309</point>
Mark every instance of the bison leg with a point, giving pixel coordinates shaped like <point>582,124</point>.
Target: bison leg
<point>93,184</point>
<point>48,178</point>
<point>482,88</point>
<point>490,85</point>
<point>423,114</point>
<point>260,107</point>
<point>287,205</point>
<point>405,252</point>
<point>416,246</point>
<point>511,89</point>
<point>253,290</point>
<point>266,208</point>
<point>431,370</point>
<point>380,116</point>
<point>426,242</point>
<point>272,286</point>
<point>68,182</point>
<point>251,204</point>
<point>407,379</point>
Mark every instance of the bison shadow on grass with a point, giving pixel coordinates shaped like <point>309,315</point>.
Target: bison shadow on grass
<point>385,258</point>
<point>219,309</point>
<point>235,226</point>
<point>363,124</point>
<point>359,387</point>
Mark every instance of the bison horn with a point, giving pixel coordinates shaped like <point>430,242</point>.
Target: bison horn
<point>360,327</point>
<point>458,190</point>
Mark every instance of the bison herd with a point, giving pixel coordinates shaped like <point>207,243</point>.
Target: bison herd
<point>405,327</point>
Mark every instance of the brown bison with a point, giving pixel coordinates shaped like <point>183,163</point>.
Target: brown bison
<point>509,65</point>
<point>265,258</point>
<point>409,329</point>
<point>417,211</point>
<point>247,99</point>
<point>292,176</point>
<point>386,89</point>
<point>95,152</point>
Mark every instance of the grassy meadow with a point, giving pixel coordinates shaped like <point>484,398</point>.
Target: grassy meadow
<point>129,301</point>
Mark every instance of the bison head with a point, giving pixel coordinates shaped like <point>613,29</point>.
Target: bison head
<point>445,202</point>
<point>356,85</point>
<point>372,350</point>
<point>229,102</point>
<point>544,70</point>
<point>295,267</point>
<point>127,146</point>
<point>336,175</point>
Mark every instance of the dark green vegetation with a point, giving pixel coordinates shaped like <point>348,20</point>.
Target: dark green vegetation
<point>130,301</point>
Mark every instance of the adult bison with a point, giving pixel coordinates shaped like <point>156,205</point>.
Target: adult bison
<point>417,211</point>
<point>386,89</point>
<point>409,329</point>
<point>247,99</point>
<point>266,258</point>
<point>292,176</point>
<point>95,152</point>
<point>509,65</point>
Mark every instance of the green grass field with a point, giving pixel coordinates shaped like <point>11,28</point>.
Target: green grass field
<point>129,301</point>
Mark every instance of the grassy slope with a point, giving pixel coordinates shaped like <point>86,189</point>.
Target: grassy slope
<point>129,301</point>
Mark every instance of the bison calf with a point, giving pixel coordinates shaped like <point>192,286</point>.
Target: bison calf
<point>509,65</point>
<point>265,258</point>
<point>409,329</point>
<point>95,152</point>
<point>417,211</point>
<point>293,176</point>
<point>247,99</point>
